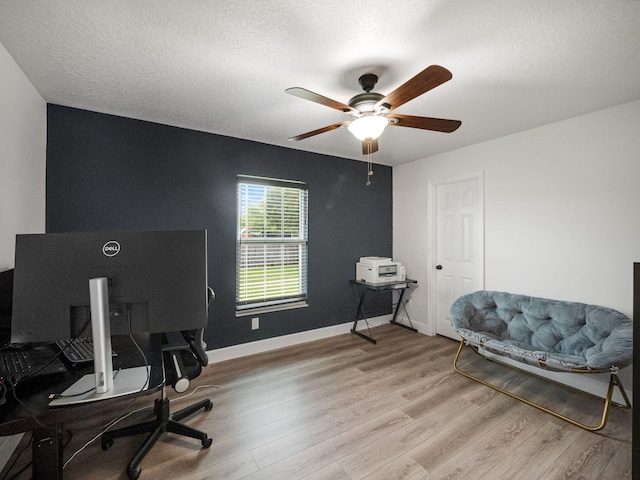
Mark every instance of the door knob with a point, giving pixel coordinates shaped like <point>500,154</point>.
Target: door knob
<point>438,267</point>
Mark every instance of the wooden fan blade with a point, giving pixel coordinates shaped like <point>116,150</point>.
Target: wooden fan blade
<point>425,123</point>
<point>427,79</point>
<point>328,128</point>
<point>369,146</point>
<point>317,98</point>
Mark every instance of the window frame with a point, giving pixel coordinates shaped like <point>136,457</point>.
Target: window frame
<point>281,301</point>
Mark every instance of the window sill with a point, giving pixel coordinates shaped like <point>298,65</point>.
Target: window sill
<point>270,308</point>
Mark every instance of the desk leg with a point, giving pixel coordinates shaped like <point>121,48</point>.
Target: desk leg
<point>47,454</point>
<point>355,321</point>
<point>395,314</point>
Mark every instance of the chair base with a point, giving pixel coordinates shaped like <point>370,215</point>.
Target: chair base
<point>165,422</point>
<point>613,381</point>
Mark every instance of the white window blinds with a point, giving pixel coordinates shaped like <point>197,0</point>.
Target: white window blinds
<point>271,243</point>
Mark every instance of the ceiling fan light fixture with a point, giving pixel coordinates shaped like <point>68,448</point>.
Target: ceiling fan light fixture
<point>370,126</point>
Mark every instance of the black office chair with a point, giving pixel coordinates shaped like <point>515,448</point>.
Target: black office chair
<point>181,363</point>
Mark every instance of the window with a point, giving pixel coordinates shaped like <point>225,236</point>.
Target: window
<point>271,271</point>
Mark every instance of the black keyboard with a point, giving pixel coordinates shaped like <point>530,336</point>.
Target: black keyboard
<point>79,350</point>
<point>16,364</point>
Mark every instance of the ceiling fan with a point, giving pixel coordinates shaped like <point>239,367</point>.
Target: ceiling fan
<point>370,111</point>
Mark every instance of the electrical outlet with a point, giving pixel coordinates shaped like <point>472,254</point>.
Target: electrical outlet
<point>255,323</point>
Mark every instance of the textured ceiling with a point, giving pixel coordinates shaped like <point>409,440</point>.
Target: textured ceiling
<point>223,66</point>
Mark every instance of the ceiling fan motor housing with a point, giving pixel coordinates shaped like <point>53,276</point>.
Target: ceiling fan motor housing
<point>365,102</point>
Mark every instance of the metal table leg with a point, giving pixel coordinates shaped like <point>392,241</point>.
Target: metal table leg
<point>364,317</point>
<point>395,314</point>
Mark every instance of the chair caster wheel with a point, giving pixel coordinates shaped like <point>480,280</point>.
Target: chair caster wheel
<point>134,473</point>
<point>106,444</point>
<point>209,406</point>
<point>206,442</point>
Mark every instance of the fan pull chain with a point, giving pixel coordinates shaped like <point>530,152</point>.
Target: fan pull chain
<point>369,164</point>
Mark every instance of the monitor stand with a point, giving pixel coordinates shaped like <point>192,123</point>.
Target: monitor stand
<point>102,384</point>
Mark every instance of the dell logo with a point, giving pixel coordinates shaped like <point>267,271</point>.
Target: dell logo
<point>111,248</point>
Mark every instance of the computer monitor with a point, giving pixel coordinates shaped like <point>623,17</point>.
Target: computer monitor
<point>68,285</point>
<point>6,299</point>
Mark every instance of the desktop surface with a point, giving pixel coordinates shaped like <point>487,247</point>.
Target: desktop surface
<point>395,284</point>
<point>35,396</point>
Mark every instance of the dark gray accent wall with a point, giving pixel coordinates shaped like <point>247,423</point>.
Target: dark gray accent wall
<point>112,173</point>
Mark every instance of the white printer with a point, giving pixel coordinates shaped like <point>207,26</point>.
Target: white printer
<point>379,270</point>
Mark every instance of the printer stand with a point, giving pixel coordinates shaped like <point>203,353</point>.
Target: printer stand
<point>363,287</point>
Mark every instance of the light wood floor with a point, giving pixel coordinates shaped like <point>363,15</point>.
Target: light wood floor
<point>345,409</point>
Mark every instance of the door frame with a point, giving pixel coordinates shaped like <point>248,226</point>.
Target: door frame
<point>432,238</point>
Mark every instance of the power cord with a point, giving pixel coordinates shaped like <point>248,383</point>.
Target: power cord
<point>109,425</point>
<point>115,374</point>
<point>144,357</point>
<point>124,416</point>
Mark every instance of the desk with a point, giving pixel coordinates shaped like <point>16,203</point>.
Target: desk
<point>363,287</point>
<point>47,423</point>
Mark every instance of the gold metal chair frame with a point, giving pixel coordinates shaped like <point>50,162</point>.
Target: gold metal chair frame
<point>613,381</point>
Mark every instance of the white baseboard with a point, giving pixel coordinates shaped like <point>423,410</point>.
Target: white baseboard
<point>421,327</point>
<point>259,346</point>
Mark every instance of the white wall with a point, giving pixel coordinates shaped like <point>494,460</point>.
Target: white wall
<point>562,209</point>
<point>23,141</point>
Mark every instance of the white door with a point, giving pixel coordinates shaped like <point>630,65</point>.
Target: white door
<point>459,247</point>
